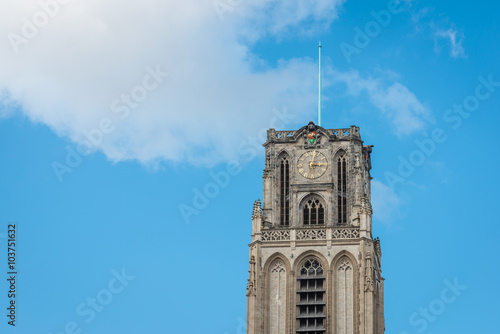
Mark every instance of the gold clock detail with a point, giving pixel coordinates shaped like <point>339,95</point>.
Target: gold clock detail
<point>312,164</point>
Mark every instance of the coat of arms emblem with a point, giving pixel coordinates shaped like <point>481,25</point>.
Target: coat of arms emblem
<point>311,137</point>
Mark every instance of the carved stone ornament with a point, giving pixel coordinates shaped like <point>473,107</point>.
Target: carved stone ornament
<point>367,150</point>
<point>257,209</point>
<point>369,273</point>
<point>378,249</point>
<point>356,220</point>
<point>357,163</point>
<point>250,289</point>
<point>251,280</point>
<point>268,173</point>
<point>312,136</point>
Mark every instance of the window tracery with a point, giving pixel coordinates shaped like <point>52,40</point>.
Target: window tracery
<point>313,211</point>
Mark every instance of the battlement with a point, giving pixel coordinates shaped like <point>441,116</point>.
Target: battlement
<point>293,136</point>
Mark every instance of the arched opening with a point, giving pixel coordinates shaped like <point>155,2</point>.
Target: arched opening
<point>277,298</point>
<point>313,211</point>
<point>344,292</point>
<point>311,298</point>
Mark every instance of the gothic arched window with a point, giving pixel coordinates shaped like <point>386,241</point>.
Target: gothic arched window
<point>311,298</point>
<point>277,295</point>
<point>344,287</point>
<point>342,188</point>
<point>284,189</point>
<point>313,211</point>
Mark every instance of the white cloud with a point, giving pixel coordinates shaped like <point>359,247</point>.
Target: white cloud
<point>282,16</point>
<point>442,31</point>
<point>386,204</point>
<point>395,101</point>
<point>455,40</point>
<point>72,68</point>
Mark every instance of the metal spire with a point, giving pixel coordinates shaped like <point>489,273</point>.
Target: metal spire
<point>319,92</point>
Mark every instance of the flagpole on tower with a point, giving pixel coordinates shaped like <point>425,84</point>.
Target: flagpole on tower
<point>319,90</point>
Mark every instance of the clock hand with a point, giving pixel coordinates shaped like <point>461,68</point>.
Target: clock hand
<point>311,164</point>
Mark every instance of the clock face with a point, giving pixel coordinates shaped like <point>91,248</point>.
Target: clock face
<point>312,164</point>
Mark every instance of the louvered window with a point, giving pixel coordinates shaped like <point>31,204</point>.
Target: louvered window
<point>311,298</point>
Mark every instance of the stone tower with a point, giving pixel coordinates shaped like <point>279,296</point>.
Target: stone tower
<point>314,265</point>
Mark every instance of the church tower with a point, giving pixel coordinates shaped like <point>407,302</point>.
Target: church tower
<point>314,265</point>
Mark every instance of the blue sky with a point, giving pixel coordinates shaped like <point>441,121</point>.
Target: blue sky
<point>115,116</point>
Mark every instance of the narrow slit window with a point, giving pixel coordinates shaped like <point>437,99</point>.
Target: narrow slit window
<point>342,189</point>
<point>284,191</point>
